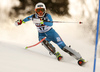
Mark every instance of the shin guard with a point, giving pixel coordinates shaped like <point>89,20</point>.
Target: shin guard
<point>72,52</point>
<point>49,46</point>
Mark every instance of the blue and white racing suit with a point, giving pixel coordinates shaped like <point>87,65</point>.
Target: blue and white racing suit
<point>46,30</point>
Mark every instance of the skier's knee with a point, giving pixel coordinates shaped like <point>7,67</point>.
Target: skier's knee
<point>61,44</point>
<point>68,50</point>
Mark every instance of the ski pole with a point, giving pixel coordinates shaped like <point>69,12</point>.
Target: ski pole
<point>36,43</point>
<point>37,19</point>
<point>63,22</point>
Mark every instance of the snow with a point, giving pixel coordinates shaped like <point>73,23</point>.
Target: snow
<point>13,40</point>
<point>15,58</point>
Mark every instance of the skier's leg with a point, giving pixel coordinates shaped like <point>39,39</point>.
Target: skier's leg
<point>49,46</point>
<point>57,39</point>
<point>72,52</point>
<point>46,43</point>
<point>69,50</point>
<point>51,49</point>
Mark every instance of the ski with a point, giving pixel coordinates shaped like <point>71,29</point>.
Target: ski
<point>36,43</point>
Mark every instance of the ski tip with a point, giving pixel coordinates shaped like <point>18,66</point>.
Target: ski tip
<point>26,47</point>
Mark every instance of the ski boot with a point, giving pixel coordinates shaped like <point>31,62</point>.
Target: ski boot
<point>58,55</point>
<point>81,61</point>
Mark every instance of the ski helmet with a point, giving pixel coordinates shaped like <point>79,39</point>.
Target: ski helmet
<point>40,7</point>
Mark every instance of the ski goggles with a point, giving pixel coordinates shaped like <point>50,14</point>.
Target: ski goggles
<point>40,9</point>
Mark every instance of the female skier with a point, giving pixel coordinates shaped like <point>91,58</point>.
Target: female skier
<point>43,22</point>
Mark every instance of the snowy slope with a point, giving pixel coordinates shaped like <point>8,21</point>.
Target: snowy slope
<point>13,40</point>
<point>14,57</point>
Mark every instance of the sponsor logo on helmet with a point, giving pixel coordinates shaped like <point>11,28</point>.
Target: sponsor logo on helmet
<point>40,5</point>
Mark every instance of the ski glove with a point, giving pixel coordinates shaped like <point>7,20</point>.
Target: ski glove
<point>19,22</point>
<point>37,20</point>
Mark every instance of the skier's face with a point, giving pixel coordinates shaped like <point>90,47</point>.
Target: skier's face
<point>40,11</point>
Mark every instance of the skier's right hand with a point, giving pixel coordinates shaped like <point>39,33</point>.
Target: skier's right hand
<point>18,22</point>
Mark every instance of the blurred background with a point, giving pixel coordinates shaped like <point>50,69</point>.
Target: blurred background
<point>61,10</point>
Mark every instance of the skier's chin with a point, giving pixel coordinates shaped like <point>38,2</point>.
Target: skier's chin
<point>40,15</point>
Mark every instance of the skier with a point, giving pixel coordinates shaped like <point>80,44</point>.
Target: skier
<point>43,22</point>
